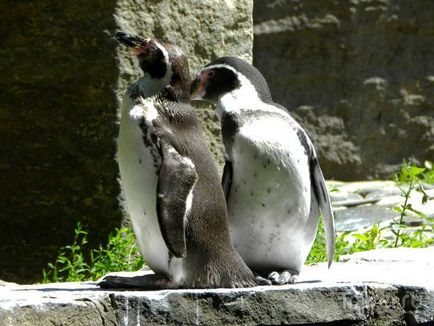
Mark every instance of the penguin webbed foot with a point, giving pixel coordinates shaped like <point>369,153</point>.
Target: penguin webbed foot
<point>284,277</point>
<point>125,280</point>
<point>262,281</point>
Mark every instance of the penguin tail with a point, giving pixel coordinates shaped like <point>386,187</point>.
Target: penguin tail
<point>324,204</point>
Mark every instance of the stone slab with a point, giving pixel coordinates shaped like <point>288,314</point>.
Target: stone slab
<point>383,287</point>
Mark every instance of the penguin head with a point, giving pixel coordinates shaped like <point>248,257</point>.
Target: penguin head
<point>161,60</point>
<point>226,75</point>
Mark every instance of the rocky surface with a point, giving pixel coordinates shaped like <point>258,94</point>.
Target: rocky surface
<point>358,75</point>
<point>384,287</point>
<point>358,205</point>
<point>61,76</point>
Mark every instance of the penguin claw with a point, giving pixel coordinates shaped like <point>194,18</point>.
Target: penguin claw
<point>274,278</point>
<point>262,281</point>
<point>285,277</point>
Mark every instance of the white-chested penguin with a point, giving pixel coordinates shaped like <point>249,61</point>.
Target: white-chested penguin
<point>273,183</point>
<point>170,182</point>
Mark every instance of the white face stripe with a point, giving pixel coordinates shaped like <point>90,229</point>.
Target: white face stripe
<point>242,98</point>
<point>165,53</point>
<point>220,65</point>
<point>246,86</point>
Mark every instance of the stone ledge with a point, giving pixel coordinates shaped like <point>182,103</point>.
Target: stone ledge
<point>382,287</point>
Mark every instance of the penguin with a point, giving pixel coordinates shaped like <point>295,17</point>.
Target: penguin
<point>274,186</point>
<point>170,182</point>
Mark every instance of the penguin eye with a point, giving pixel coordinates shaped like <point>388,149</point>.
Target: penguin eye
<point>210,74</point>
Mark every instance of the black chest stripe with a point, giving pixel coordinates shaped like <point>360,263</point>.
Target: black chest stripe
<point>230,127</point>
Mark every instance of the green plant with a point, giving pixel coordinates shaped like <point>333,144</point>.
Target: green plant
<point>120,254</point>
<point>73,265</point>
<point>318,252</point>
<point>428,175</point>
<point>70,264</point>
<point>409,179</point>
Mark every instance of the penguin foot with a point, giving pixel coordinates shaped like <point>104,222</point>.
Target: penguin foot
<point>138,280</point>
<point>262,281</point>
<point>285,277</point>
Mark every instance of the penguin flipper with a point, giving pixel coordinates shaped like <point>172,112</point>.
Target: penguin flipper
<point>227,178</point>
<point>176,181</point>
<point>324,203</point>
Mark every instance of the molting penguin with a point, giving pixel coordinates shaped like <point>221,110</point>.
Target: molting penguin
<point>273,183</point>
<point>170,182</point>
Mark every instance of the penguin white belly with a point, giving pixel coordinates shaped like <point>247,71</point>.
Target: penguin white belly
<point>270,196</point>
<point>139,184</point>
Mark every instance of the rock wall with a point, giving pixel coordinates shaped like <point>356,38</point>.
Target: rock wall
<point>62,73</point>
<point>358,75</point>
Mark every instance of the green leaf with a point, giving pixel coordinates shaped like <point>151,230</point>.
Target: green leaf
<point>360,237</point>
<point>397,209</point>
<point>415,171</point>
<point>419,213</point>
<point>424,194</point>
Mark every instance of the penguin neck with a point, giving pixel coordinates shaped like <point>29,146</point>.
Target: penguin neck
<point>244,98</point>
<point>148,86</point>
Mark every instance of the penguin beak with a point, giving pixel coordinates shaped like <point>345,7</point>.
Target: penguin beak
<point>197,89</point>
<point>131,41</point>
<point>198,86</point>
